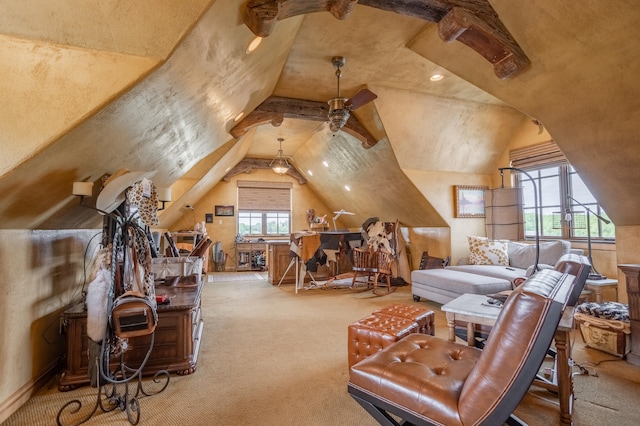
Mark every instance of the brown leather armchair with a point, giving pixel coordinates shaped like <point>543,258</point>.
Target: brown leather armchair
<point>426,380</point>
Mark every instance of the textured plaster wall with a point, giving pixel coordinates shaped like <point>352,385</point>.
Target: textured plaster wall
<point>42,275</point>
<point>438,188</point>
<point>627,242</point>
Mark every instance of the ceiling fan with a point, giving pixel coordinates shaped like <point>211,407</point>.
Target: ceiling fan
<point>339,107</point>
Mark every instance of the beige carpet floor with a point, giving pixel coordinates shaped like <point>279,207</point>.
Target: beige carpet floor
<point>273,357</point>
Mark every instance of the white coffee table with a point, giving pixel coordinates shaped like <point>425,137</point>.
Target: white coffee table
<point>474,309</point>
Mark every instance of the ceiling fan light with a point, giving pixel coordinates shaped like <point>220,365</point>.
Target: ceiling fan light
<point>280,168</point>
<point>338,114</point>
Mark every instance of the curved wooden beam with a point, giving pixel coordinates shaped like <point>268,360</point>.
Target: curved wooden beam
<point>261,16</point>
<point>248,164</point>
<point>275,108</point>
<point>471,22</point>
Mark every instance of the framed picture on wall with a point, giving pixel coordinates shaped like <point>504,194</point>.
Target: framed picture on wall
<point>224,210</point>
<point>469,200</point>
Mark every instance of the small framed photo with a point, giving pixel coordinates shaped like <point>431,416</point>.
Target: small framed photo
<point>224,210</point>
<point>208,217</point>
<point>469,201</point>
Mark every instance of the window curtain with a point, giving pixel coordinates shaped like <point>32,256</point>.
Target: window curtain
<point>504,218</point>
<point>264,196</point>
<point>544,154</point>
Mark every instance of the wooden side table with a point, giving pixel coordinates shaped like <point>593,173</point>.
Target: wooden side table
<point>597,285</point>
<point>473,309</point>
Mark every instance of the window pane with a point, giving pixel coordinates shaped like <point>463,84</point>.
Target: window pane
<point>547,223</point>
<point>283,225</point>
<point>553,185</point>
<point>580,190</point>
<point>250,223</point>
<point>550,191</point>
<point>549,171</point>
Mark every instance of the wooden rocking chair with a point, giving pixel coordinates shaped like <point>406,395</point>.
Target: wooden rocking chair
<point>373,264</point>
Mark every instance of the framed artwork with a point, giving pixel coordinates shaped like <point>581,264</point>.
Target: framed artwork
<point>208,217</point>
<point>224,210</point>
<point>469,201</point>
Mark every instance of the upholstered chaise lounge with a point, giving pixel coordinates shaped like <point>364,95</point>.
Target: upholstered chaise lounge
<point>426,380</point>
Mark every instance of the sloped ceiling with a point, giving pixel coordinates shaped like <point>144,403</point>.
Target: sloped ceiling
<point>90,88</point>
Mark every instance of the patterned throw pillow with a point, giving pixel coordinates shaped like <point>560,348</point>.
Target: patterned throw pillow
<point>484,251</point>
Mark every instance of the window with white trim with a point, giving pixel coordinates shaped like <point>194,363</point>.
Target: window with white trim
<point>264,208</point>
<point>557,182</point>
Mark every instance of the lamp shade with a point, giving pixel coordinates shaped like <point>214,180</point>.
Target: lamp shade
<point>164,194</point>
<point>503,209</point>
<point>279,164</point>
<point>84,189</point>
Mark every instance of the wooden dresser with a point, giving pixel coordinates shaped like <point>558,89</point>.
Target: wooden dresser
<point>177,338</point>
<point>279,260</point>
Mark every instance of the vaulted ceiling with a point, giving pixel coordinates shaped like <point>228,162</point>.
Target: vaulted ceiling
<point>92,87</point>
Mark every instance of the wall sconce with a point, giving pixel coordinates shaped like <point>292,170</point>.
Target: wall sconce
<point>83,189</point>
<point>164,196</point>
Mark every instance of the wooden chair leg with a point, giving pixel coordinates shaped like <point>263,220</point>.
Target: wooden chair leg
<point>389,289</point>
<point>354,283</point>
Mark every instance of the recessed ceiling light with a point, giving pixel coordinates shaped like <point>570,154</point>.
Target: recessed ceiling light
<point>310,172</point>
<point>239,116</point>
<point>253,45</point>
<point>436,77</point>
<point>347,188</point>
<point>325,164</point>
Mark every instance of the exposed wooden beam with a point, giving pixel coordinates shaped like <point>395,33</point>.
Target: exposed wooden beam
<point>496,47</point>
<point>247,165</point>
<point>274,109</point>
<point>471,22</point>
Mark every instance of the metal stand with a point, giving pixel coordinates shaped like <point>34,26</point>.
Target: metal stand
<point>594,275</point>
<point>120,388</point>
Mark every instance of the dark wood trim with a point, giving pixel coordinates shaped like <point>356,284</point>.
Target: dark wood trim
<point>248,164</point>
<point>471,22</point>
<point>274,109</point>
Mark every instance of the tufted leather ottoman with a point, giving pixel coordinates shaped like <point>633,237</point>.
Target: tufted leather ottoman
<point>375,332</point>
<point>423,317</point>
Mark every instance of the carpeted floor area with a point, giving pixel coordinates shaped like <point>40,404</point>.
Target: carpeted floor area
<point>272,357</point>
<point>218,277</point>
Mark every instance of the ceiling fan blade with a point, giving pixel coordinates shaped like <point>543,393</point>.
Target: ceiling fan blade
<point>364,96</point>
<point>320,128</point>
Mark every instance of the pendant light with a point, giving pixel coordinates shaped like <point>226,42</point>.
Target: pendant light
<point>279,164</point>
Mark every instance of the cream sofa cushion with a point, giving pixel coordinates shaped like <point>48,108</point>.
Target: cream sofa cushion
<point>484,251</point>
<point>522,255</point>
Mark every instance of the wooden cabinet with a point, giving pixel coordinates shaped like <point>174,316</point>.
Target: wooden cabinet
<point>176,346</point>
<point>250,256</point>
<point>279,260</point>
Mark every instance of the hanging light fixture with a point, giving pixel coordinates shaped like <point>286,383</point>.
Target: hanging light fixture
<point>279,164</point>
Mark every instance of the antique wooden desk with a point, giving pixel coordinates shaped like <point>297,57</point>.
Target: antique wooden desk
<point>177,338</point>
<point>473,309</point>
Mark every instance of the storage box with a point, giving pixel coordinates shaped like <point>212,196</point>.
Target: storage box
<point>610,336</point>
<point>163,267</point>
